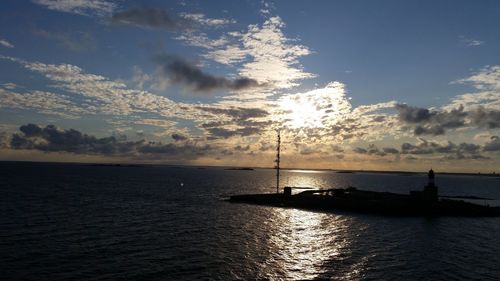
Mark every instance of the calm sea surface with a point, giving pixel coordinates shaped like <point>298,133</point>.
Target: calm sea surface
<point>77,222</point>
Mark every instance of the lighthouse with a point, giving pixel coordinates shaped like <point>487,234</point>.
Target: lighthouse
<point>431,190</point>
<point>430,175</point>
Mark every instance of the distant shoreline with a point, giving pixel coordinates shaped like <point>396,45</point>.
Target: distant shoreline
<point>245,168</point>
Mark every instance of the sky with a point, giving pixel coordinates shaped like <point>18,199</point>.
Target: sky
<point>374,85</point>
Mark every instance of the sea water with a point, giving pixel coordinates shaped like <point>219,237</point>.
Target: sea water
<point>84,222</point>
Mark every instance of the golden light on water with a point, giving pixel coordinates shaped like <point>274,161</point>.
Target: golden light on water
<point>306,171</point>
<point>302,243</point>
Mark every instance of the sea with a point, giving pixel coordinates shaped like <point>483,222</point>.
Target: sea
<point>88,222</point>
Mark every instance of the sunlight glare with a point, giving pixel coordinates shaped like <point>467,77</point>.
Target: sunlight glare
<point>315,109</point>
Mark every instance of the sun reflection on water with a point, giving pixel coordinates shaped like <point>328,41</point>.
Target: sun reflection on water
<point>302,243</point>
<point>300,179</point>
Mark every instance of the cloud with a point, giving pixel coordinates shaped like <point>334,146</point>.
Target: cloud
<point>266,55</point>
<point>488,78</point>
<point>493,144</point>
<point>102,95</point>
<point>371,150</point>
<point>228,55</point>
<point>180,71</point>
<point>147,17</point>
<point>74,41</point>
<point>412,114</point>
<point>427,149</point>
<point>201,40</point>
<point>6,43</point>
<point>428,122</point>
<point>156,122</point>
<point>201,19</point>
<point>390,150</point>
<point>80,7</point>
<point>44,102</point>
<point>158,18</point>
<point>470,42</point>
<point>178,137</point>
<point>9,86</point>
<point>323,107</point>
<point>485,118</point>
<point>239,113</point>
<point>480,110</point>
<point>53,139</point>
<point>240,122</point>
<point>274,58</point>
<point>452,150</point>
<point>431,122</point>
<point>139,78</point>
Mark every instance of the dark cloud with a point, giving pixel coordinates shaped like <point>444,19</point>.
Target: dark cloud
<point>432,130</point>
<point>237,113</point>
<point>408,148</point>
<point>484,118</point>
<point>412,114</point>
<point>186,151</point>
<point>242,148</point>
<point>227,133</point>
<point>148,17</point>
<point>337,148</point>
<point>244,118</point>
<point>181,71</point>
<point>31,130</point>
<point>178,137</point>
<point>426,122</point>
<point>451,150</point>
<point>493,144</point>
<point>360,150</point>
<point>390,150</point>
<point>53,139</point>
<point>370,150</point>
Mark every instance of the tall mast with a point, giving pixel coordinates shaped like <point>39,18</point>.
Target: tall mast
<point>277,167</point>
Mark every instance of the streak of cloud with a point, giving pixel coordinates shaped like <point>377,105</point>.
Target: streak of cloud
<point>182,72</point>
<point>86,8</point>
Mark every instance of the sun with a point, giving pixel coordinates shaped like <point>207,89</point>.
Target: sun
<point>301,112</point>
<point>318,108</point>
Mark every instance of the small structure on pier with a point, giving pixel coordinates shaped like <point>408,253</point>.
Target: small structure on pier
<point>430,192</point>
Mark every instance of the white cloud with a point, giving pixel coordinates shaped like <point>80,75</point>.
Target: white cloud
<point>156,122</point>
<point>109,97</point>
<point>6,43</point>
<point>139,78</point>
<point>10,86</point>
<point>274,60</point>
<point>470,42</point>
<point>203,20</point>
<point>81,7</point>
<point>43,102</point>
<point>229,55</point>
<point>264,52</point>
<point>487,83</point>
<point>200,39</point>
<point>488,78</point>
